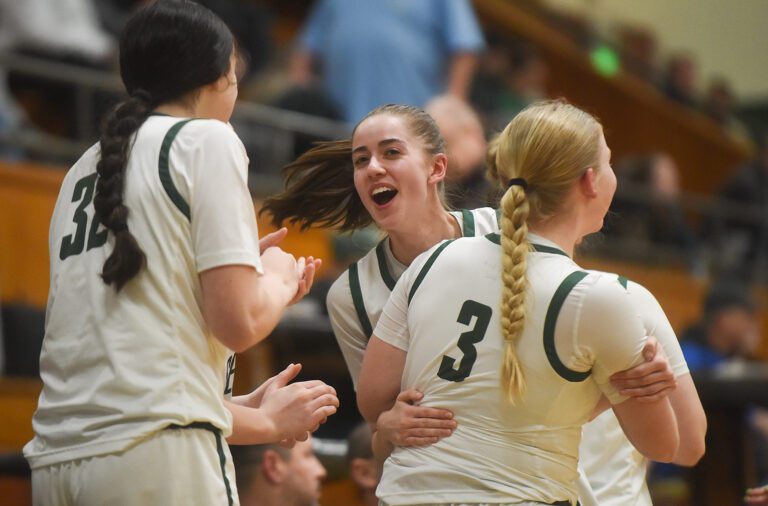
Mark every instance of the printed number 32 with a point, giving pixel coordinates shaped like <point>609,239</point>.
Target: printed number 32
<point>467,341</point>
<point>73,244</point>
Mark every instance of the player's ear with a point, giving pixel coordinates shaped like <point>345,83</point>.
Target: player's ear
<point>363,473</point>
<point>274,467</point>
<point>438,168</point>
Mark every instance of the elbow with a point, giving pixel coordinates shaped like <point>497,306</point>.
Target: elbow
<point>366,408</point>
<point>241,337</point>
<point>691,453</point>
<point>664,451</point>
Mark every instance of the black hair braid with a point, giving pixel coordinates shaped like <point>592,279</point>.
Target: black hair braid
<point>127,258</point>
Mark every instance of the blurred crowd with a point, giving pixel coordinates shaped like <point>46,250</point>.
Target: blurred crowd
<point>346,59</point>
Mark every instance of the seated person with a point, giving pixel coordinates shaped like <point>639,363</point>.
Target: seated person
<point>272,475</point>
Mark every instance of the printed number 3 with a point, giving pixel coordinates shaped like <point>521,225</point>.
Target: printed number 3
<point>73,244</point>
<point>467,341</point>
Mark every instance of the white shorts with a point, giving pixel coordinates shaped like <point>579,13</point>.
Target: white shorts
<point>173,466</point>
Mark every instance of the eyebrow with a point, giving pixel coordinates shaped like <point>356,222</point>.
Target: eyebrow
<point>382,143</point>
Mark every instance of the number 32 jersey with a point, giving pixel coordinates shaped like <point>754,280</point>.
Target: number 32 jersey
<point>444,312</point>
<point>119,366</point>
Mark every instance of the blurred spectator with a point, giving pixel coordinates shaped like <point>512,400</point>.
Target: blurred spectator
<point>680,80</point>
<point>373,52</point>
<point>511,75</point>
<point>466,185</point>
<point>729,328</point>
<point>271,475</point>
<point>65,31</point>
<point>647,207</point>
<point>744,243</point>
<point>639,53</point>
<point>113,14</point>
<point>719,105</point>
<point>59,29</point>
<point>363,469</point>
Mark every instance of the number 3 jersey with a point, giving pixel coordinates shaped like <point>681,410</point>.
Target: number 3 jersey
<point>357,297</point>
<point>119,366</point>
<point>444,312</point>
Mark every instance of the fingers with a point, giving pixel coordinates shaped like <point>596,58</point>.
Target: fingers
<point>644,369</point>
<point>410,396</point>
<point>644,381</point>
<point>272,239</point>
<point>436,414</point>
<point>651,393</point>
<point>286,375</point>
<point>650,348</point>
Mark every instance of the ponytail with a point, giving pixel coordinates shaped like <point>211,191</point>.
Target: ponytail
<point>514,246</point>
<point>320,190</point>
<point>127,258</point>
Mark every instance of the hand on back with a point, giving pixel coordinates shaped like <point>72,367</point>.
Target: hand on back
<point>408,424</point>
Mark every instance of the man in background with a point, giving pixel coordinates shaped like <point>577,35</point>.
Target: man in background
<point>271,475</point>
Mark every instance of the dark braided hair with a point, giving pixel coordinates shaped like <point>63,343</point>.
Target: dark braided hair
<point>319,185</point>
<point>168,50</point>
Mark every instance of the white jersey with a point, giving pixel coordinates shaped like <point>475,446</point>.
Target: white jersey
<point>357,297</point>
<point>119,366</point>
<point>615,470</point>
<point>444,312</point>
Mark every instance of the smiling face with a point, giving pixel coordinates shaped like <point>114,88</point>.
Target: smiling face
<point>395,176</point>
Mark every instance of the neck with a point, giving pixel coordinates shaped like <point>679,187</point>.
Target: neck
<point>177,109</point>
<point>422,234</point>
<point>563,232</point>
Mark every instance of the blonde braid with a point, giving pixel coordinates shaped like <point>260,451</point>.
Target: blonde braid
<point>514,246</point>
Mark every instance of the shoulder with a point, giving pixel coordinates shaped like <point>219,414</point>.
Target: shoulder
<point>210,131</point>
<point>339,291</point>
<point>605,289</point>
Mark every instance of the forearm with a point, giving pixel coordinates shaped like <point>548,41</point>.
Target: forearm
<point>381,447</point>
<point>251,425</point>
<point>460,75</point>
<point>651,427</point>
<point>691,422</point>
<point>270,301</point>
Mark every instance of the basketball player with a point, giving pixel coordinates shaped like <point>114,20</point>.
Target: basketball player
<point>156,278</point>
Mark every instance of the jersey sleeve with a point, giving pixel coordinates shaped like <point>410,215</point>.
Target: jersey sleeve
<point>657,324</point>
<point>346,327</point>
<point>608,332</point>
<point>223,220</point>
<point>392,327</point>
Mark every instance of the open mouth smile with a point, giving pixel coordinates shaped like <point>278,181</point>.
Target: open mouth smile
<point>383,195</point>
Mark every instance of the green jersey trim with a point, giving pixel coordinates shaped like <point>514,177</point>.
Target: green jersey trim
<point>539,248</point>
<point>426,267</point>
<point>219,449</point>
<point>623,281</point>
<point>549,328</point>
<point>381,258</point>
<point>357,300</point>
<point>469,222</point>
<point>165,171</point>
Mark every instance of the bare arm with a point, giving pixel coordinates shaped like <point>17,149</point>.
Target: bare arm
<point>691,420</point>
<point>651,427</point>
<point>379,382</point>
<point>460,74</point>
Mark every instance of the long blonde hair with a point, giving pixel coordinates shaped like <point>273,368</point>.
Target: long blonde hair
<point>548,145</point>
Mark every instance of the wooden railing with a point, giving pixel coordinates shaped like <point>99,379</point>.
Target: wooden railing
<point>635,116</point>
